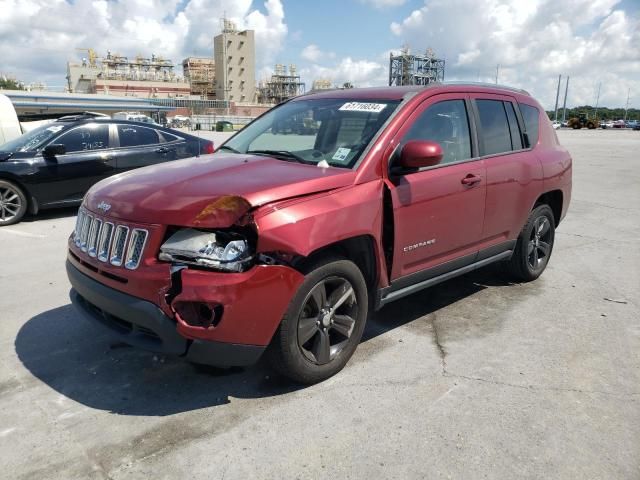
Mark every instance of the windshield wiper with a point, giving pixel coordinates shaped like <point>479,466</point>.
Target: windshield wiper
<point>226,147</point>
<point>286,155</point>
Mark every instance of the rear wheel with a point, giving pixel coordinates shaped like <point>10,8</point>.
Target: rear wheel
<point>323,324</point>
<point>13,203</point>
<point>534,246</point>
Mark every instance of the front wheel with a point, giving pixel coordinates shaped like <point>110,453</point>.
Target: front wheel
<point>534,245</point>
<point>323,324</point>
<point>13,203</point>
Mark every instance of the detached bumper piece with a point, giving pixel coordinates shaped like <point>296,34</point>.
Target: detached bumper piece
<point>142,324</point>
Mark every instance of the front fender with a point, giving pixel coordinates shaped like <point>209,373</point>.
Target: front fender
<point>306,225</point>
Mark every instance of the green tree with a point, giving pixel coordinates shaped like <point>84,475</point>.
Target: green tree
<point>7,83</point>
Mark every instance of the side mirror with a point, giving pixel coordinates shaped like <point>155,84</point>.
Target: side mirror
<point>54,149</point>
<point>420,154</point>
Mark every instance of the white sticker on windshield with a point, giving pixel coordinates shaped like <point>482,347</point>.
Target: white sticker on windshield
<point>55,128</point>
<point>363,107</point>
<point>341,154</point>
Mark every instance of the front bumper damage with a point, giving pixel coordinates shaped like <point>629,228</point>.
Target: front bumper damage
<point>252,304</point>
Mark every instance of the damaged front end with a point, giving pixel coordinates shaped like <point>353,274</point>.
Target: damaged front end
<point>201,290</point>
<point>221,288</point>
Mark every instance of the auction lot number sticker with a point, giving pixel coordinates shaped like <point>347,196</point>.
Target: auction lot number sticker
<point>363,107</point>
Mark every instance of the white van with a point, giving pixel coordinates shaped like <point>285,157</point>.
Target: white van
<point>9,124</point>
<point>133,116</point>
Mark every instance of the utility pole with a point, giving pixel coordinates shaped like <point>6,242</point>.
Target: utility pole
<point>555,118</point>
<point>564,104</point>
<point>598,99</point>
<point>626,107</point>
<point>497,72</point>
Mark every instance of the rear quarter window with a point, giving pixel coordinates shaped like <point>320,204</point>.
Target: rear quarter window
<point>531,118</point>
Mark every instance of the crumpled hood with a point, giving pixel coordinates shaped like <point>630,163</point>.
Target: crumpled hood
<point>210,190</point>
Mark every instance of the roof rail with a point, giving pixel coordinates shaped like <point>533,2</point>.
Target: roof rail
<point>486,85</point>
<point>82,116</point>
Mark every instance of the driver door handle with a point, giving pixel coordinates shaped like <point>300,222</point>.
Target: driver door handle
<point>471,180</point>
<point>162,150</point>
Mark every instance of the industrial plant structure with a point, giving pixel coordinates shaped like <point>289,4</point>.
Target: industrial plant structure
<point>282,86</point>
<point>201,75</point>
<point>408,69</point>
<point>322,84</point>
<point>234,55</point>
<point>118,75</point>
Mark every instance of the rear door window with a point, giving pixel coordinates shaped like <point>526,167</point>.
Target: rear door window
<point>495,136</point>
<point>531,118</point>
<point>135,135</point>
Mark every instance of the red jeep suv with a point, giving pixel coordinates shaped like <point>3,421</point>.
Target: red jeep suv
<point>325,207</point>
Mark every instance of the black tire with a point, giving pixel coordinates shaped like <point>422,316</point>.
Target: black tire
<point>13,203</point>
<point>533,251</point>
<point>303,360</point>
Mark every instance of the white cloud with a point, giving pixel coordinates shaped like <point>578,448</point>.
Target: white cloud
<point>361,73</point>
<point>313,53</point>
<point>38,37</point>
<point>533,42</point>
<point>384,3</point>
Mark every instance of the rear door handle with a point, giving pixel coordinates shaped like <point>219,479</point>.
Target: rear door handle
<point>162,150</point>
<point>471,179</point>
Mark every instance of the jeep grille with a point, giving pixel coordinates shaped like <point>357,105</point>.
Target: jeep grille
<point>116,244</point>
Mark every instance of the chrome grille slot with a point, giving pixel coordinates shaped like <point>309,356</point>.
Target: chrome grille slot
<point>94,233</point>
<point>119,244</point>
<point>104,241</point>
<point>135,248</point>
<point>76,231</point>
<point>86,224</point>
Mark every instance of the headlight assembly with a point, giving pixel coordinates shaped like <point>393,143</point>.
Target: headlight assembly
<point>218,250</point>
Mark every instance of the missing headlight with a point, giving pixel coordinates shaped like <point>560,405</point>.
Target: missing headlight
<point>220,250</point>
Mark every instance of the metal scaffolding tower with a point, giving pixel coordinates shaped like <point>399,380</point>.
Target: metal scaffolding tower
<point>283,85</point>
<point>409,69</point>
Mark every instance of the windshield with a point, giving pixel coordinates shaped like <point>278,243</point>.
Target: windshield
<point>329,132</point>
<point>30,141</point>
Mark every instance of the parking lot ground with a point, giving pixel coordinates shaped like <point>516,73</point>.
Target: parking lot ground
<point>475,378</point>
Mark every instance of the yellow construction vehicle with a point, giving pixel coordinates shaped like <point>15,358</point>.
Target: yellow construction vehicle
<point>582,121</point>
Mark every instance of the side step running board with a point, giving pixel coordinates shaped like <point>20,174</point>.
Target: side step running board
<point>388,296</point>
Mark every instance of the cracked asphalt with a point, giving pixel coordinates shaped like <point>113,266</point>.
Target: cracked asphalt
<point>475,378</point>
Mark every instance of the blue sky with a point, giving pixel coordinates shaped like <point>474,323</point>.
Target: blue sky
<point>593,41</point>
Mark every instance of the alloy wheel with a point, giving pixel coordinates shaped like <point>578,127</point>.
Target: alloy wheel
<point>327,320</point>
<point>10,203</point>
<point>540,241</point>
